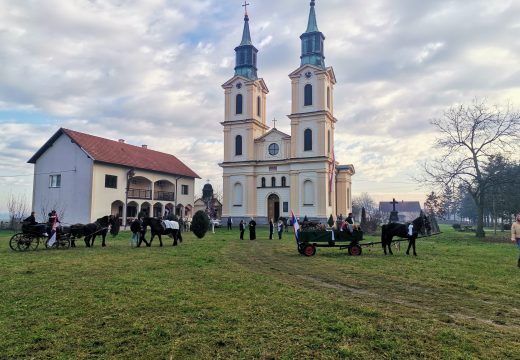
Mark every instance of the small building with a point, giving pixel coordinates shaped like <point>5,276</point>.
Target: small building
<point>208,203</point>
<point>84,177</point>
<point>407,210</point>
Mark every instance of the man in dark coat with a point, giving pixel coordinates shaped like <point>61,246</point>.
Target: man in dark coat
<point>31,220</point>
<point>229,223</point>
<point>242,229</point>
<point>271,229</point>
<point>252,229</point>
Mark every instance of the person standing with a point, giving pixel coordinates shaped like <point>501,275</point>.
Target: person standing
<point>252,229</point>
<point>515,235</point>
<point>411,240</point>
<point>287,224</point>
<point>271,229</point>
<point>135,228</point>
<point>280,229</point>
<point>242,229</point>
<point>229,223</point>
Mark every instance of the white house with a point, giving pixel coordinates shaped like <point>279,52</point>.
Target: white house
<point>84,177</point>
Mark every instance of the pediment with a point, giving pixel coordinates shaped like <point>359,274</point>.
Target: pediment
<point>315,69</point>
<point>273,135</point>
<point>230,83</point>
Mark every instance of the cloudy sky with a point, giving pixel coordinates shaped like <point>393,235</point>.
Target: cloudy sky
<point>150,71</point>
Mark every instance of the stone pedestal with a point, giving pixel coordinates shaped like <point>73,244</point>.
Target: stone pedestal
<point>394,216</point>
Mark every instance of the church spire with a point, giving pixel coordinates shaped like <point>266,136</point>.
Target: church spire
<point>246,53</point>
<point>312,42</point>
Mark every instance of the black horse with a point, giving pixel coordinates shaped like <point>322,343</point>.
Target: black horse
<point>98,227</point>
<point>421,225</point>
<point>157,228</point>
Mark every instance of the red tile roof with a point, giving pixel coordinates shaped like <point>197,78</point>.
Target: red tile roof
<point>118,153</point>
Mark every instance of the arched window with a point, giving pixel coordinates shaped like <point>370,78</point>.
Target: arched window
<point>258,106</point>
<point>307,140</point>
<point>284,181</point>
<point>308,193</point>
<point>238,145</point>
<point>237,194</point>
<point>328,97</point>
<point>328,142</point>
<point>307,95</point>
<point>263,182</point>
<point>273,182</point>
<point>239,104</point>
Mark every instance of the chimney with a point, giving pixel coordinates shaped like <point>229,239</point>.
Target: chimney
<point>144,146</point>
<point>122,141</point>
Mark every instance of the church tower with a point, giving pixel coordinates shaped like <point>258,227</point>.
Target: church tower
<point>312,119</point>
<point>244,121</point>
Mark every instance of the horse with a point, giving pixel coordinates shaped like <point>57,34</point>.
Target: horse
<point>98,227</point>
<point>157,228</point>
<point>388,231</point>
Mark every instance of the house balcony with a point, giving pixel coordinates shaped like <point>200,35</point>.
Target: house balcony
<point>140,194</point>
<point>164,196</point>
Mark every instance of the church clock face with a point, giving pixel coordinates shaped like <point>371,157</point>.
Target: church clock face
<point>239,85</point>
<point>274,149</point>
<point>308,74</point>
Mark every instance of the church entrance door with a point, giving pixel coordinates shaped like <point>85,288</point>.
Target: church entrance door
<point>273,207</point>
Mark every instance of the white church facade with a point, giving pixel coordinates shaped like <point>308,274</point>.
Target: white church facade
<point>267,173</point>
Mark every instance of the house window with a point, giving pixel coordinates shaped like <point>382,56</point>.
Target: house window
<point>55,181</point>
<point>238,145</point>
<point>111,181</point>
<point>307,95</point>
<point>285,207</point>
<point>258,105</point>
<point>307,140</point>
<point>273,182</point>
<point>284,181</point>
<point>238,104</point>
<point>184,189</point>
<point>263,182</point>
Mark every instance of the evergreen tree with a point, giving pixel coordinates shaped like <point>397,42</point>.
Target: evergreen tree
<point>330,221</point>
<point>200,224</point>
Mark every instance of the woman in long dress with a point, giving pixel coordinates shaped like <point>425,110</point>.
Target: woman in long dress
<point>252,229</point>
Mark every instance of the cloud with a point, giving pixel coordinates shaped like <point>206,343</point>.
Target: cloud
<point>150,71</point>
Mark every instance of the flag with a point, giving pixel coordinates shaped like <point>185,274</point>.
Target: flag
<point>296,226</point>
<point>332,171</point>
<point>52,239</point>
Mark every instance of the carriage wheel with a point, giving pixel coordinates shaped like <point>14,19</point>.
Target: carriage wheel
<point>15,241</point>
<point>33,242</point>
<point>63,242</point>
<point>309,250</point>
<point>355,250</point>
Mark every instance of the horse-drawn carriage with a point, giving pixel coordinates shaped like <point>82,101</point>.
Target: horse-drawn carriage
<point>32,235</point>
<point>309,239</point>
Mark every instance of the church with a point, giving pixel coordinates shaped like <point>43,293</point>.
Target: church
<point>267,173</point>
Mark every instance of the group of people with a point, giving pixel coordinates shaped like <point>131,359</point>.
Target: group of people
<point>252,228</point>
<point>47,228</point>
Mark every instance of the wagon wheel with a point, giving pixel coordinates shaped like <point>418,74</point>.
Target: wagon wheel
<point>15,241</point>
<point>355,250</point>
<point>63,242</point>
<point>309,250</point>
<point>33,242</point>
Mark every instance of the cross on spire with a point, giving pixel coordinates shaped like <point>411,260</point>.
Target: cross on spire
<point>274,122</point>
<point>246,4</point>
<point>394,203</point>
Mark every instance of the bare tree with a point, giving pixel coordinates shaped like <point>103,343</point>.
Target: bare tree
<point>363,200</point>
<point>17,208</point>
<point>471,137</point>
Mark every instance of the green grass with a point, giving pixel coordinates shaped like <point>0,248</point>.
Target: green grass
<point>221,298</point>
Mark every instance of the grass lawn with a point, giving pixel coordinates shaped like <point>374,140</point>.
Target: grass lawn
<point>221,298</point>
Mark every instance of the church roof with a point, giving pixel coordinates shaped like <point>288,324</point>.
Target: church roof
<point>119,153</point>
<point>312,25</point>
<point>403,206</point>
<point>246,35</point>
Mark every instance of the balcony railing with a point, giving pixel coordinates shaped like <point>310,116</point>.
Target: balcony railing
<point>164,196</point>
<point>139,194</point>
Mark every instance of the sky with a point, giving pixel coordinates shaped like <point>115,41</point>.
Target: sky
<point>150,72</point>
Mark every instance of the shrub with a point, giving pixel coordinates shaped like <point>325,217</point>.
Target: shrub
<point>200,224</point>
<point>305,219</point>
<point>506,226</point>
<point>456,226</point>
<point>330,221</point>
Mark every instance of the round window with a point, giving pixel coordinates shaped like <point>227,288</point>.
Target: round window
<point>273,149</point>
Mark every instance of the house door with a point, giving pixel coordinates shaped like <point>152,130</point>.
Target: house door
<point>273,207</point>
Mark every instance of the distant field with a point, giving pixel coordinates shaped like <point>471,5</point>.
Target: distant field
<point>222,298</point>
